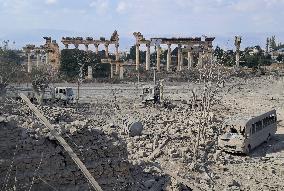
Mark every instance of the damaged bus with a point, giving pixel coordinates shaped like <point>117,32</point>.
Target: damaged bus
<point>243,135</point>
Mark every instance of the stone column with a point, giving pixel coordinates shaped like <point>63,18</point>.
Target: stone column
<point>210,56</point>
<point>121,72</point>
<point>97,48</point>
<point>66,46</point>
<point>90,73</point>
<point>116,52</point>
<point>116,58</point>
<point>200,59</point>
<point>111,70</point>
<point>137,56</point>
<point>29,63</point>
<point>106,46</point>
<point>181,61</point>
<point>37,59</point>
<point>86,47</point>
<point>189,59</point>
<point>158,58</point>
<point>169,57</point>
<point>148,57</point>
<point>238,41</point>
<point>46,58</point>
<point>179,57</point>
<point>238,58</point>
<point>116,69</point>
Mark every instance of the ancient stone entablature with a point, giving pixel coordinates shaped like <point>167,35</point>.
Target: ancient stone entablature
<point>30,49</point>
<point>203,47</point>
<point>76,41</point>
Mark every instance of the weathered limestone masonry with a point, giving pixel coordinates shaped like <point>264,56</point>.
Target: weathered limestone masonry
<point>50,50</point>
<point>52,54</point>
<point>77,41</point>
<point>90,73</point>
<point>192,45</point>
<point>141,40</point>
<point>29,49</point>
<point>238,41</point>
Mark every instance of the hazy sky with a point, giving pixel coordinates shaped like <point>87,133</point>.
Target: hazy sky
<point>151,17</point>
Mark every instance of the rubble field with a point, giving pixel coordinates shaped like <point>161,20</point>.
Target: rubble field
<point>158,158</point>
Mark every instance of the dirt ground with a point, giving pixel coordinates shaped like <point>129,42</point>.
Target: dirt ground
<point>171,133</point>
<point>263,169</point>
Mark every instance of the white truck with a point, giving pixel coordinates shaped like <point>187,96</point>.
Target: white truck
<point>64,94</point>
<point>56,94</point>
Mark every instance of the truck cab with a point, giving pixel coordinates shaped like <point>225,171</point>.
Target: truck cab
<point>64,94</point>
<point>151,94</point>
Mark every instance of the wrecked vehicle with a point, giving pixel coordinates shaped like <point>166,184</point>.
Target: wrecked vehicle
<point>243,135</point>
<point>64,94</point>
<point>153,93</point>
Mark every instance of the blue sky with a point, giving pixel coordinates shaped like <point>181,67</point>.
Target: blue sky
<point>29,20</point>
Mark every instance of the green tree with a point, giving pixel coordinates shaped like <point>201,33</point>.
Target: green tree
<point>218,53</point>
<point>70,59</point>
<point>10,66</point>
<point>279,58</point>
<point>132,53</point>
<point>273,43</point>
<point>40,82</point>
<point>251,61</point>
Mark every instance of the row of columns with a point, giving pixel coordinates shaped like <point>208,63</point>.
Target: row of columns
<point>37,60</point>
<point>148,53</point>
<point>119,69</point>
<point>169,58</point>
<point>97,49</point>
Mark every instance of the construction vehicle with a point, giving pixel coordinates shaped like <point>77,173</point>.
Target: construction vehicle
<point>64,94</point>
<point>152,93</point>
<point>55,94</point>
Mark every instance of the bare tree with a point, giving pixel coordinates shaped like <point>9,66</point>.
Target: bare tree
<point>40,82</point>
<point>212,76</point>
<point>7,72</point>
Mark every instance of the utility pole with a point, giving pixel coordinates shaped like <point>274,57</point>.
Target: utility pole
<point>80,80</point>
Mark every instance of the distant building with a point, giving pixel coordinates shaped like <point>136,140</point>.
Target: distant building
<point>254,50</point>
<point>276,53</point>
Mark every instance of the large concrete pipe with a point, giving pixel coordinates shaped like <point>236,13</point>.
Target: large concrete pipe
<point>132,127</point>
